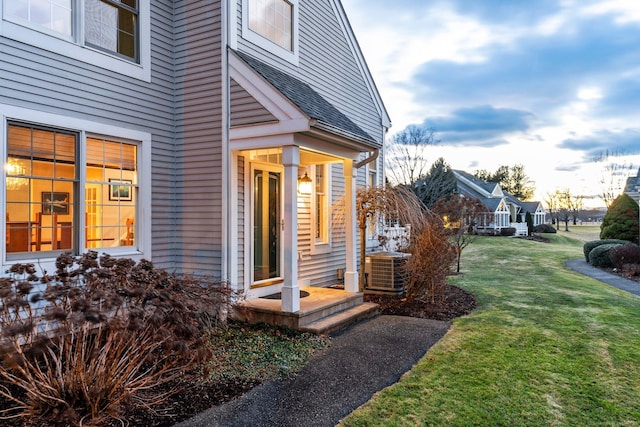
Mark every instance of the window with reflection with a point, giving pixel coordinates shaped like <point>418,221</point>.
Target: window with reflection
<point>273,19</point>
<point>46,201</point>
<point>109,25</point>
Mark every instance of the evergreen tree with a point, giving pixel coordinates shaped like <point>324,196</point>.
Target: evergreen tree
<point>438,182</point>
<point>621,220</point>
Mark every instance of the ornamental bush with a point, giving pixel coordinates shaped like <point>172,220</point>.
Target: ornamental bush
<point>589,246</point>
<point>544,228</point>
<point>601,255</point>
<point>508,231</point>
<point>626,254</point>
<point>78,346</point>
<point>621,220</point>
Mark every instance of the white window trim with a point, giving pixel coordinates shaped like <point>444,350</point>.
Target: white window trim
<point>87,128</point>
<point>54,42</point>
<point>321,247</point>
<point>373,243</point>
<point>266,44</point>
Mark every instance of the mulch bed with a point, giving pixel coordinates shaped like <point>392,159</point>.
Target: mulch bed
<point>451,303</point>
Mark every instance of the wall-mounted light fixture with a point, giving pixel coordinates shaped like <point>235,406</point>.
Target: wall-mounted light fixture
<point>304,184</point>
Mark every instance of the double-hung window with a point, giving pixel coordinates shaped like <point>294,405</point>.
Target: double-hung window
<point>61,196</point>
<point>84,29</point>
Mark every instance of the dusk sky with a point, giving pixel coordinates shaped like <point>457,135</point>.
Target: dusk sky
<point>550,84</point>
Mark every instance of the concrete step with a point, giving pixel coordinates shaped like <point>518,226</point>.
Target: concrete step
<point>340,320</point>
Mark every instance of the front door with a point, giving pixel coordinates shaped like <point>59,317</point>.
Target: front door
<point>267,224</point>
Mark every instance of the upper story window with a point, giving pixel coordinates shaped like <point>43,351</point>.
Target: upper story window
<point>55,15</point>
<point>85,30</point>
<point>112,25</point>
<point>272,19</point>
<point>272,25</point>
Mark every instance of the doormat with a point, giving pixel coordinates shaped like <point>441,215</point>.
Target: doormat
<point>279,295</point>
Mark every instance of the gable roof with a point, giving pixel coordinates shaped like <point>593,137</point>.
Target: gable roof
<point>326,116</point>
<point>482,187</point>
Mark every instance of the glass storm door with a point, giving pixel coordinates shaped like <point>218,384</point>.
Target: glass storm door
<point>267,230</point>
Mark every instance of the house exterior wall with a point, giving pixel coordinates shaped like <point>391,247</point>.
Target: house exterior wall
<point>245,109</point>
<point>45,81</point>
<point>201,154</point>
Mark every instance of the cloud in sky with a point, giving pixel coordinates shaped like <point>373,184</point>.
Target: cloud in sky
<point>548,84</point>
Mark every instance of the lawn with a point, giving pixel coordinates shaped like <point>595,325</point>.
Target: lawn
<point>546,346</point>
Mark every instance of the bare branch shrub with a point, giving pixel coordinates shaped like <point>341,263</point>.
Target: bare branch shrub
<point>432,257</point>
<point>77,346</point>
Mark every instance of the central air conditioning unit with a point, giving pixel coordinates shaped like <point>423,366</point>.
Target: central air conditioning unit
<point>385,272</point>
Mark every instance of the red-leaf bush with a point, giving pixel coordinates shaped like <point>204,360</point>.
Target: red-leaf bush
<point>626,254</point>
<point>78,346</point>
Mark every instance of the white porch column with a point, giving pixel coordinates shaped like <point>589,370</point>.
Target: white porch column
<point>290,289</point>
<point>351,273</point>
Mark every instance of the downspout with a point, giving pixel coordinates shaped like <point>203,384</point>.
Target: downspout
<point>367,160</point>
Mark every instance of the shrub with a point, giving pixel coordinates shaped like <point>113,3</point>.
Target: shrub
<point>589,246</point>
<point>600,255</point>
<point>508,231</point>
<point>544,228</point>
<point>432,257</point>
<point>621,220</point>
<point>529,220</point>
<point>99,334</point>
<point>626,254</point>
<point>631,270</point>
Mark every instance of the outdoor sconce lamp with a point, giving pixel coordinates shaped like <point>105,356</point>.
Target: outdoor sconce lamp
<point>304,184</point>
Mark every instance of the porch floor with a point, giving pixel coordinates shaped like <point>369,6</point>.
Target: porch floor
<point>324,310</point>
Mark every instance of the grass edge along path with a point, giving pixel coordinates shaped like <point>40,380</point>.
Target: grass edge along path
<point>546,346</point>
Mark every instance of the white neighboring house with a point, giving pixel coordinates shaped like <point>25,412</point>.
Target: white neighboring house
<point>632,187</point>
<point>503,209</point>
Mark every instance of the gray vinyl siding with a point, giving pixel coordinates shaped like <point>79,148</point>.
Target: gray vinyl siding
<point>241,218</point>
<point>245,109</point>
<point>37,79</point>
<point>326,62</point>
<point>199,137</point>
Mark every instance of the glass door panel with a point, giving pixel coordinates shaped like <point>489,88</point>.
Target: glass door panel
<point>267,202</point>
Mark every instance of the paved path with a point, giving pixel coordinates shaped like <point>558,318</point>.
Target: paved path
<point>581,266</point>
<point>362,360</point>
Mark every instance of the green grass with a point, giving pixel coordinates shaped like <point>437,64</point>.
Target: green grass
<point>255,353</point>
<point>546,346</point>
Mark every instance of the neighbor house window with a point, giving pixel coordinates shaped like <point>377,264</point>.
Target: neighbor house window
<point>84,30</point>
<point>48,196</point>
<point>272,25</point>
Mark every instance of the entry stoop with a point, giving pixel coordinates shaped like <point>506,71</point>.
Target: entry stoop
<point>322,311</point>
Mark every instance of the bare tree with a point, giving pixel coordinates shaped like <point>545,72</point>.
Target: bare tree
<point>406,154</point>
<point>552,207</point>
<point>613,175</point>
<point>375,204</point>
<point>565,206</point>
<point>460,214</point>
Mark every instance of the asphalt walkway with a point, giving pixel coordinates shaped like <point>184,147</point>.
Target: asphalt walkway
<point>361,360</point>
<point>582,267</point>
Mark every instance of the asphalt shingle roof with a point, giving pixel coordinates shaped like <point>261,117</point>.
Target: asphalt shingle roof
<point>307,99</point>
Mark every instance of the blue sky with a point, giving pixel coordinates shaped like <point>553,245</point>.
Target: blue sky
<point>547,84</point>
